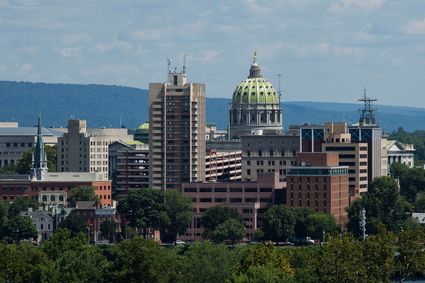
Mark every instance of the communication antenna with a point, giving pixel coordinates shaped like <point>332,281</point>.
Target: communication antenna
<point>279,91</point>
<point>367,116</point>
<point>184,63</point>
<point>169,65</point>
<point>120,121</point>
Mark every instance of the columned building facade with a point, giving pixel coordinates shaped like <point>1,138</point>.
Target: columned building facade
<point>255,106</point>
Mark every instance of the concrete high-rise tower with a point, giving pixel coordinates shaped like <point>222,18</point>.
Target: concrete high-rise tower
<point>176,132</point>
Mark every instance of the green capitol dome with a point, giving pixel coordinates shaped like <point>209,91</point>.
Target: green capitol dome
<point>255,89</point>
<point>255,106</point>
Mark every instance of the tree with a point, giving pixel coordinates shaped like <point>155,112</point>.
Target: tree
<point>21,263</point>
<point>278,223</point>
<point>410,258</point>
<point>230,230</point>
<point>341,260</point>
<point>216,215</point>
<point>383,205</point>
<point>24,164</point>
<point>74,223</point>
<point>143,209</point>
<point>420,203</point>
<point>258,234</point>
<point>378,257</point>
<point>87,265</point>
<point>4,218</point>
<point>208,263</point>
<point>140,260</point>
<point>21,204</point>
<point>8,169</point>
<point>19,228</point>
<point>266,273</point>
<point>263,263</point>
<point>108,229</point>
<point>177,216</point>
<point>320,223</point>
<point>82,193</point>
<point>61,241</point>
<point>300,228</point>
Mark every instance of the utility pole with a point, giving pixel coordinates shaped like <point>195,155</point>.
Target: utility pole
<point>362,223</point>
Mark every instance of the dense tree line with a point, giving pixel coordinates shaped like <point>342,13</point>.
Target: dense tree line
<point>68,258</point>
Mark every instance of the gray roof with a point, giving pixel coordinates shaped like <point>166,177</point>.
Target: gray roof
<point>28,131</point>
<point>86,205</point>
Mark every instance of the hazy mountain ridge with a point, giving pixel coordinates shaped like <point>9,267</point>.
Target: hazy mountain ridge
<point>106,105</point>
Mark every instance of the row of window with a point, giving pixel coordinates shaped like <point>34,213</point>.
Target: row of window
<point>271,153</point>
<point>233,200</point>
<point>15,144</point>
<point>225,190</point>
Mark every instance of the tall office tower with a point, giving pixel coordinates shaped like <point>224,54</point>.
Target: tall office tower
<point>367,131</point>
<point>255,106</point>
<point>335,137</point>
<point>86,150</point>
<point>176,132</point>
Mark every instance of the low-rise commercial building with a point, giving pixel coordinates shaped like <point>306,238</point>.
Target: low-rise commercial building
<point>249,199</point>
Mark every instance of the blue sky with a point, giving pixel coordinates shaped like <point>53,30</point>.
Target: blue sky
<point>326,50</point>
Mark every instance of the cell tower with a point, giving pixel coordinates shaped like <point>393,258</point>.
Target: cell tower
<point>367,116</point>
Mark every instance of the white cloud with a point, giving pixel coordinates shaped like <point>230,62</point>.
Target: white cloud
<point>70,51</point>
<point>149,34</point>
<point>25,68</point>
<point>103,47</point>
<point>368,5</point>
<point>3,69</point>
<point>207,56</point>
<point>75,38</point>
<point>415,27</point>
<point>253,6</point>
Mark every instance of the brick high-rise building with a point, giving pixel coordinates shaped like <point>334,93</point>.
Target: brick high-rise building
<point>176,132</point>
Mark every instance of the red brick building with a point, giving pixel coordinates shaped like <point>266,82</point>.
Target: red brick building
<point>54,188</point>
<point>319,183</point>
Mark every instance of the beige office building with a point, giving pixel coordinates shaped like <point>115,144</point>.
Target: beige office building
<point>268,154</point>
<point>176,132</point>
<point>86,150</point>
<point>353,155</point>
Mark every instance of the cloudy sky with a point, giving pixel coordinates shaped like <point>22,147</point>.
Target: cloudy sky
<point>326,50</point>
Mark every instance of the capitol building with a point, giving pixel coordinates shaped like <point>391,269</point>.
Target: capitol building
<point>255,107</point>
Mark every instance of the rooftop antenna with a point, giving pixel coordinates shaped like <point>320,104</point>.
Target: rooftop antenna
<point>367,116</point>
<point>280,91</point>
<point>184,63</point>
<point>120,121</point>
<point>169,65</point>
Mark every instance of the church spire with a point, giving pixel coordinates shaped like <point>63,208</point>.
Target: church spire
<point>39,164</point>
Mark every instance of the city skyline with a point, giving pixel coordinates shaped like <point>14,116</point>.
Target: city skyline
<point>327,51</point>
